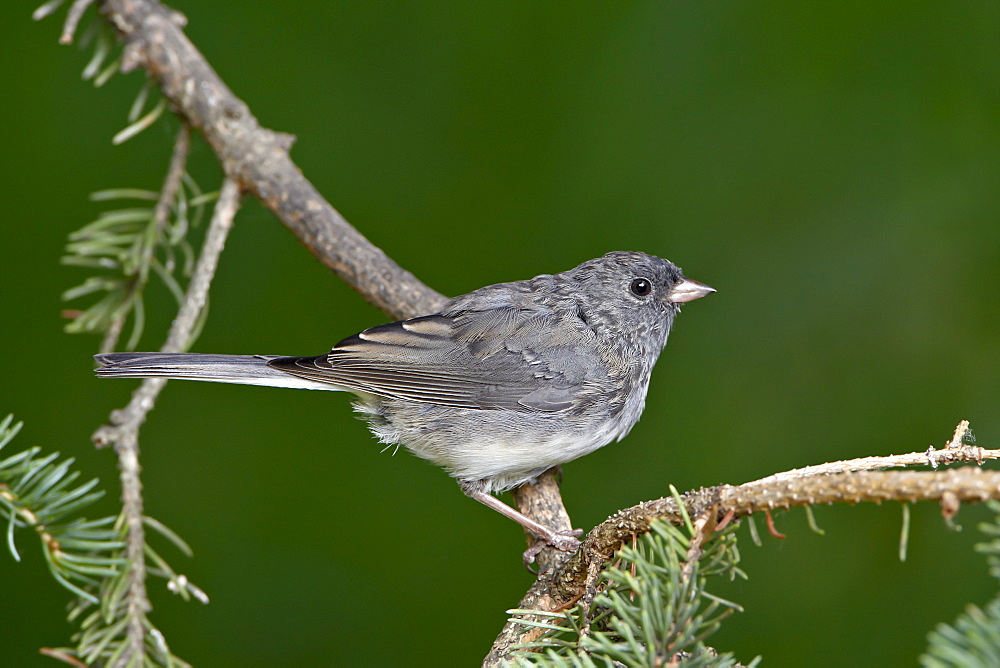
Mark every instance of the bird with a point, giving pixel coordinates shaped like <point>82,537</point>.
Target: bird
<point>500,385</point>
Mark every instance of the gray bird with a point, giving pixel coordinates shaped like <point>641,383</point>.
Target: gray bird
<point>500,385</point>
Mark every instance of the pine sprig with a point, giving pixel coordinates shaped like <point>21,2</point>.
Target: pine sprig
<point>974,638</point>
<point>128,244</point>
<point>105,60</point>
<point>41,493</point>
<point>102,639</point>
<point>651,608</point>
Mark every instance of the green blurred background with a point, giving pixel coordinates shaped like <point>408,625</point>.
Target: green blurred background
<point>831,168</point>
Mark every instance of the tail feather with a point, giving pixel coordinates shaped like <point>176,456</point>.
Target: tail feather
<point>240,369</point>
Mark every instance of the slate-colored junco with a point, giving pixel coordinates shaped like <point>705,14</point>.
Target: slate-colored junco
<point>501,384</point>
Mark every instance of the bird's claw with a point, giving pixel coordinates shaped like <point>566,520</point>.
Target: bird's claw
<point>564,541</point>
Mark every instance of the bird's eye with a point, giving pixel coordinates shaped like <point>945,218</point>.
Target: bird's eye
<point>641,287</point>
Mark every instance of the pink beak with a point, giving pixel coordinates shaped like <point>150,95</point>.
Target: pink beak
<point>687,291</point>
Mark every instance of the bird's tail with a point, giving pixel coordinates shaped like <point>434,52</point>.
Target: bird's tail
<point>241,369</point>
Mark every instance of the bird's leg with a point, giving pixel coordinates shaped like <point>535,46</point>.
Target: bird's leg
<point>565,541</point>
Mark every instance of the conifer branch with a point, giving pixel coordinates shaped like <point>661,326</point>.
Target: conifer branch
<point>133,243</point>
<point>850,481</point>
<point>649,608</point>
<point>124,425</point>
<point>40,492</point>
<point>974,638</point>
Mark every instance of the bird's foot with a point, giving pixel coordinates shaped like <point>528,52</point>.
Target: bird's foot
<point>564,541</point>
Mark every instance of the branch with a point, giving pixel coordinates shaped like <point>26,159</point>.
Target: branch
<point>956,450</point>
<point>851,481</point>
<point>123,430</point>
<point>257,158</point>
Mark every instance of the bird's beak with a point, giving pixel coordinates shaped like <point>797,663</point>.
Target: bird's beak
<point>687,291</point>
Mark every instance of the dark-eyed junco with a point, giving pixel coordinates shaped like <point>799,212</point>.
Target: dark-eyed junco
<point>501,384</point>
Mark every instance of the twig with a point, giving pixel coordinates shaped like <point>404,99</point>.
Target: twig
<point>127,449</point>
<point>175,176</point>
<point>962,432</point>
<point>968,483</point>
<point>123,429</point>
<point>955,451</point>
<point>171,186</point>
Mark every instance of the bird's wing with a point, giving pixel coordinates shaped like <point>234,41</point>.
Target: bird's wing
<point>505,358</point>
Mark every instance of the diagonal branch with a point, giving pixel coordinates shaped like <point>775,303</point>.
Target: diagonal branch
<point>257,158</point>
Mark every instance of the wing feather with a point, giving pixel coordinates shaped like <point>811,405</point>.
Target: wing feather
<point>449,360</point>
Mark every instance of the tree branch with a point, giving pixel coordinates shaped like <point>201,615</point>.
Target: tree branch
<point>851,481</point>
